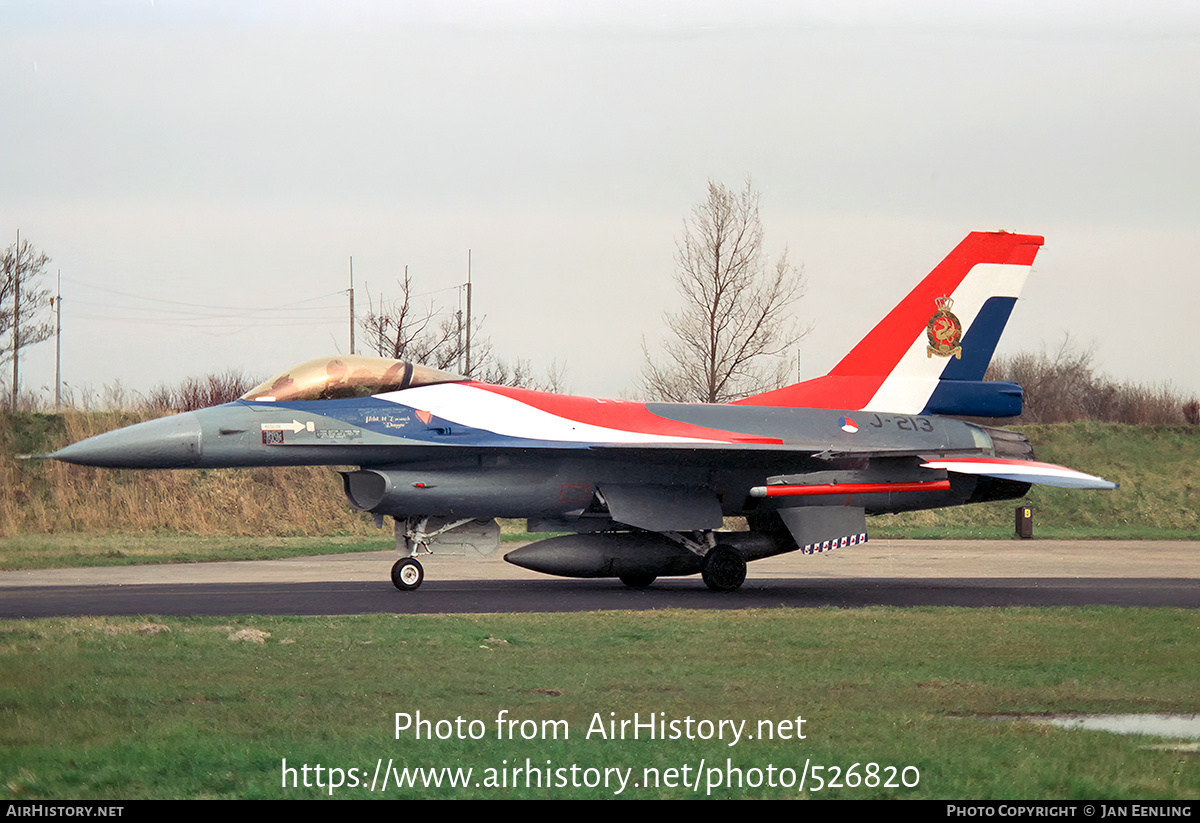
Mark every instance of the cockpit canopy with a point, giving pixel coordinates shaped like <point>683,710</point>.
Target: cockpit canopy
<point>332,378</point>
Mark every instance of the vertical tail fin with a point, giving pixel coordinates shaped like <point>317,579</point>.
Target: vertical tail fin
<point>930,353</point>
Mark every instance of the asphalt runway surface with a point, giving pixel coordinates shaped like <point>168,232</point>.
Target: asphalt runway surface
<point>880,573</point>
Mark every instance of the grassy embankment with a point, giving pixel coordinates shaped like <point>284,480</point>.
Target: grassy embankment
<point>1158,468</point>
<point>123,708</point>
<point>52,514</point>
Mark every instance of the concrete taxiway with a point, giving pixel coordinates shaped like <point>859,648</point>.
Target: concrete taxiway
<point>882,572</point>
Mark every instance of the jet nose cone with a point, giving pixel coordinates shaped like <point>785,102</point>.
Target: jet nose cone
<point>166,443</point>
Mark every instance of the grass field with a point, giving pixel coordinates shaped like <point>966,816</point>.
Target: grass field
<point>59,551</point>
<point>896,703</point>
<point>211,708</point>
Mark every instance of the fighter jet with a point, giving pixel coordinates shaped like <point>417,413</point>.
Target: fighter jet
<point>642,490</point>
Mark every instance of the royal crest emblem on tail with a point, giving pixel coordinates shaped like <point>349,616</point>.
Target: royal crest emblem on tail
<point>944,331</point>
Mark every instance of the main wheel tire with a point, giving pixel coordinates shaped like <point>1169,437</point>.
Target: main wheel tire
<point>638,581</point>
<point>407,574</point>
<point>724,569</point>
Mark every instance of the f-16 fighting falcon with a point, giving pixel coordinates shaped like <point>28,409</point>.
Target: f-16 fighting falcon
<point>642,489</point>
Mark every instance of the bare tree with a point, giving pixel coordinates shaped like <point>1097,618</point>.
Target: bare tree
<point>403,330</point>
<point>27,265</point>
<point>1059,385</point>
<point>735,321</point>
<point>1062,385</point>
<point>194,393</point>
<point>520,373</point>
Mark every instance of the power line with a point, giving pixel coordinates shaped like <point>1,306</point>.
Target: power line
<point>216,319</point>
<point>201,305</point>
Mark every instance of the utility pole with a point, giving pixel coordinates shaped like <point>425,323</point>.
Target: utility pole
<point>352,304</point>
<point>458,335</point>
<point>58,346</point>
<point>468,369</point>
<point>16,350</point>
<point>382,327</point>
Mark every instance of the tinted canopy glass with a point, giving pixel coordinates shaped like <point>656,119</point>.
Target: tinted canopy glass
<point>331,378</point>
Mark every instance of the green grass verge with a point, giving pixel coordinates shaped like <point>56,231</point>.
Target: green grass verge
<point>1157,467</point>
<point>174,708</point>
<point>64,551</point>
<point>60,551</point>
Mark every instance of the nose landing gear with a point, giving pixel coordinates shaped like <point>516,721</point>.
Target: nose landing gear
<point>407,574</point>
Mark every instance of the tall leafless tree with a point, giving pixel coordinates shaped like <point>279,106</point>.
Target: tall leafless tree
<point>30,264</point>
<point>404,330</point>
<point>735,323</point>
<point>23,304</point>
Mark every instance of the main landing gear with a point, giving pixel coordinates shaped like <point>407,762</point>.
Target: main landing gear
<point>724,569</point>
<point>407,574</point>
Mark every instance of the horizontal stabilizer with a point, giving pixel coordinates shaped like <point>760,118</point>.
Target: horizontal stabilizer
<point>1022,471</point>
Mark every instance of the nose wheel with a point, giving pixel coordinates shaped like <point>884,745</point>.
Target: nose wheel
<point>407,574</point>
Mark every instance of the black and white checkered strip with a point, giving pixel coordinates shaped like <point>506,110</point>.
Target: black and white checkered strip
<point>834,543</point>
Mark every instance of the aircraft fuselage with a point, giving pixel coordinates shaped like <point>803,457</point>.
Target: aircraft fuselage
<point>415,462</point>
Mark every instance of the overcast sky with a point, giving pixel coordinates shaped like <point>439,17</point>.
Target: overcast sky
<point>201,172</point>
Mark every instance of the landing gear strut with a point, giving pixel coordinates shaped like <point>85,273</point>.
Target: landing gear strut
<point>724,569</point>
<point>407,574</point>
<point>414,534</point>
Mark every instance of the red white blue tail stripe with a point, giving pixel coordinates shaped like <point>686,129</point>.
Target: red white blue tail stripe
<point>929,355</point>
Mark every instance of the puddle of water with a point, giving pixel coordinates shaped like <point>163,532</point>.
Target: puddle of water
<point>1174,726</point>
